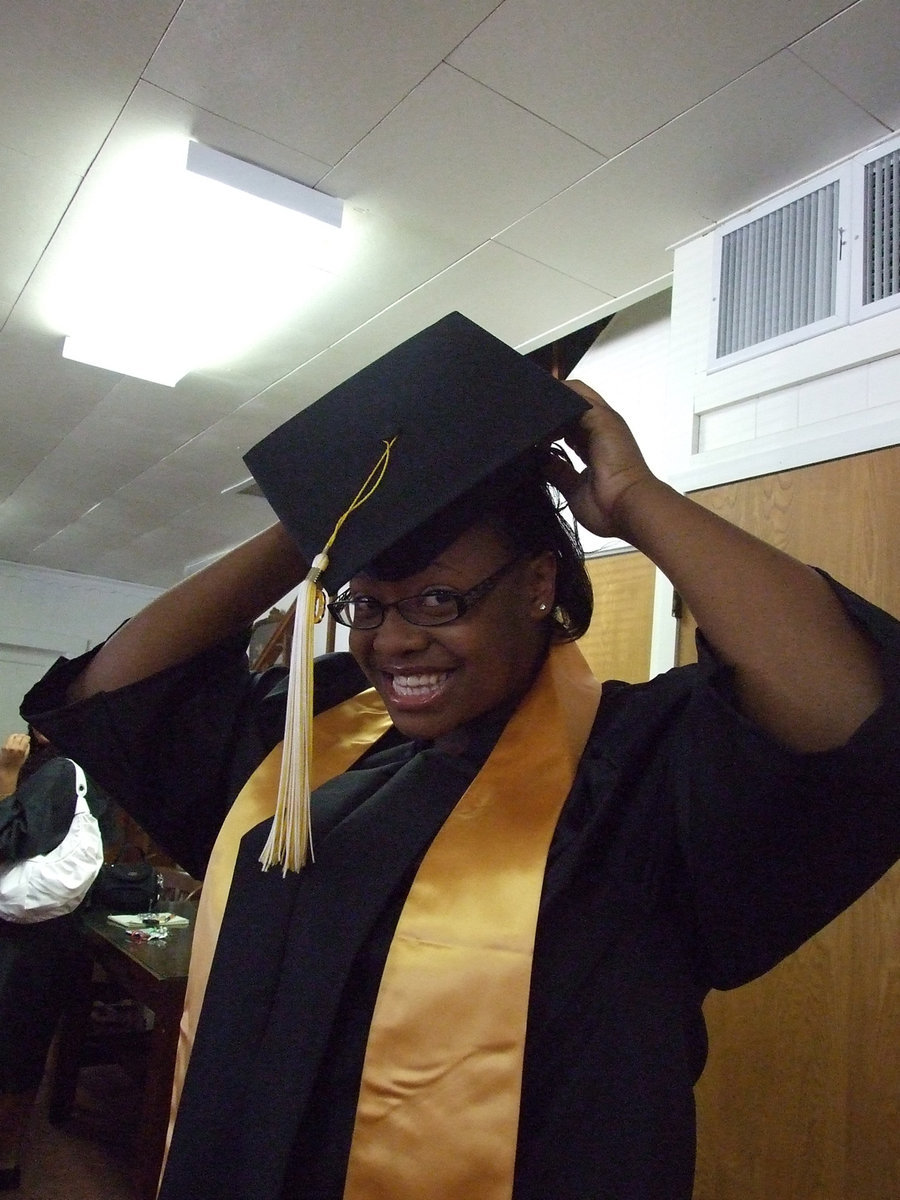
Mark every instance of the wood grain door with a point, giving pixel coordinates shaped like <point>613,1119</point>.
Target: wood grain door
<point>801,1096</point>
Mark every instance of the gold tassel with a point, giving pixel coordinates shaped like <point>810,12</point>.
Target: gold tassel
<point>290,837</point>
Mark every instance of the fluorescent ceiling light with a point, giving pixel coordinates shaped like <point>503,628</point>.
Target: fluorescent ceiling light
<point>190,258</point>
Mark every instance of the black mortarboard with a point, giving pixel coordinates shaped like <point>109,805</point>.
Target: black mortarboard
<point>400,458</point>
<point>462,406</point>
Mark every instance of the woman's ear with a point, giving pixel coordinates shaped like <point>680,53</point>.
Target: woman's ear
<point>542,584</point>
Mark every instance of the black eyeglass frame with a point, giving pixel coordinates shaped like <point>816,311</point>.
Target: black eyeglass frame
<point>463,600</point>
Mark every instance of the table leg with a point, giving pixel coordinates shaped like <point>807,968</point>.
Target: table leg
<point>154,1120</point>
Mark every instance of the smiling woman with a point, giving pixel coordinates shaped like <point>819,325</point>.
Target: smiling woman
<point>434,679</point>
<point>447,640</point>
<point>489,980</point>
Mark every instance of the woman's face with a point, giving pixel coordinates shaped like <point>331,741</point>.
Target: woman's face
<point>434,679</point>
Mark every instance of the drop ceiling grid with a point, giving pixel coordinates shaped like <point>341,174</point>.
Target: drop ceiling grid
<point>612,74</point>
<point>718,157</point>
<point>319,83</point>
<point>429,111</point>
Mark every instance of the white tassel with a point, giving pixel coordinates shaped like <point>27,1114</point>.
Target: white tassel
<point>291,834</point>
<point>290,837</point>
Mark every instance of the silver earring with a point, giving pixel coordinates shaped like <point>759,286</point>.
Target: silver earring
<point>543,608</point>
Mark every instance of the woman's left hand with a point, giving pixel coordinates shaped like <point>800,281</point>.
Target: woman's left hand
<point>613,462</point>
<point>802,668</point>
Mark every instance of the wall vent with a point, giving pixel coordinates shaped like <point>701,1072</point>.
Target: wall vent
<point>778,273</point>
<point>881,228</point>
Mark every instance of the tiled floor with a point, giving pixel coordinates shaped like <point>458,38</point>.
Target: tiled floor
<point>86,1158</point>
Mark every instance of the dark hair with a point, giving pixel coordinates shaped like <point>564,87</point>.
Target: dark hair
<point>531,519</point>
<point>41,752</point>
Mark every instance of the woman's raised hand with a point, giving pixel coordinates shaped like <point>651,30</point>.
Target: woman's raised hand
<point>614,466</point>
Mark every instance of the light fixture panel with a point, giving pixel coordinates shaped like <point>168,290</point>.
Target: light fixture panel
<point>266,185</point>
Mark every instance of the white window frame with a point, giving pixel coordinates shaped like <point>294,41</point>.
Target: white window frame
<point>859,311</point>
<point>849,307</point>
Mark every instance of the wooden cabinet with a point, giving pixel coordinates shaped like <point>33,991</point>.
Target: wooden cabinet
<point>801,1096</point>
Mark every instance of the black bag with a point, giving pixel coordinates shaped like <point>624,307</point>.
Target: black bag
<point>127,887</point>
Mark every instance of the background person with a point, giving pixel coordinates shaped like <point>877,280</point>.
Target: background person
<point>37,961</point>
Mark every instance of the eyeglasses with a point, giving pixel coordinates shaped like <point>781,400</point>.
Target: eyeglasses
<point>437,606</point>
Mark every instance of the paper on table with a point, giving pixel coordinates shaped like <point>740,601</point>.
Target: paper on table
<point>154,920</point>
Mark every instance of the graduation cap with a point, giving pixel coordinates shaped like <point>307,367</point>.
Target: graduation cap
<point>388,469</point>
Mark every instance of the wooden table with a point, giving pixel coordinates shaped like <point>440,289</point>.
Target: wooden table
<point>153,973</point>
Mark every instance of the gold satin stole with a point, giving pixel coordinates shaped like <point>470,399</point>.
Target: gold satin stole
<point>438,1108</point>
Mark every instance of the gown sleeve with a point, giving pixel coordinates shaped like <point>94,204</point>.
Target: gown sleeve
<point>776,843</point>
<point>169,748</point>
<point>175,749</point>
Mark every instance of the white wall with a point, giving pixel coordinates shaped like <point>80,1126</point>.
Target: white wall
<point>629,366</point>
<point>44,614</point>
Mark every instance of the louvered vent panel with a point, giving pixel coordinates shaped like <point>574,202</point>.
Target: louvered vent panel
<point>779,272</point>
<point>881,229</point>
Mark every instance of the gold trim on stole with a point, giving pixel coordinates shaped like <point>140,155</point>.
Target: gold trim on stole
<point>341,735</point>
<point>438,1109</point>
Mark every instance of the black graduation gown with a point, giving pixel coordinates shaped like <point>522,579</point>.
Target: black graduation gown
<point>692,852</point>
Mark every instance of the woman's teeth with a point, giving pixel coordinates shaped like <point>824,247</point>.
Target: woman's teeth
<point>418,685</point>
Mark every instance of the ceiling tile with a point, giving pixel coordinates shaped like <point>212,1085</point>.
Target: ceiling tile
<point>33,197</point>
<point>151,558</point>
<point>44,504</point>
<point>70,548</point>
<point>869,75</point>
<point>167,417</point>
<point>81,62</point>
<point>38,384</point>
<point>22,526</point>
<point>508,293</point>
<point>243,516</point>
<point>213,460</point>
<point>163,491</point>
<point>117,178</point>
<point>117,520</point>
<point>387,259</point>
